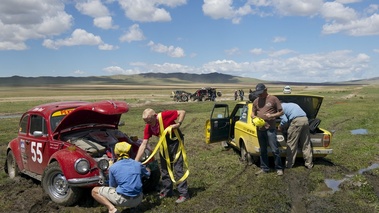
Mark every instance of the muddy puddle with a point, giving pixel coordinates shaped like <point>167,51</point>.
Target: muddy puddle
<point>334,184</point>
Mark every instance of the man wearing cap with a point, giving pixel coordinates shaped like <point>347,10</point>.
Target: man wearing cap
<point>125,181</point>
<point>267,107</point>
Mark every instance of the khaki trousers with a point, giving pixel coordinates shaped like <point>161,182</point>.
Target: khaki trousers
<point>299,137</point>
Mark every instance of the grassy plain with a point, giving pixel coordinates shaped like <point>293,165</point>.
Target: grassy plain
<point>218,181</point>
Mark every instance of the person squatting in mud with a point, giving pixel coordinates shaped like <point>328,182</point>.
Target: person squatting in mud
<point>125,181</point>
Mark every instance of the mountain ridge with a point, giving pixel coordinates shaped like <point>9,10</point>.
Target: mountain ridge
<point>156,79</point>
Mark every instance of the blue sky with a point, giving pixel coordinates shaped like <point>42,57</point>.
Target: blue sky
<point>274,40</point>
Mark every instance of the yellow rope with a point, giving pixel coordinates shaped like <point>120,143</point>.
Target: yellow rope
<point>163,149</point>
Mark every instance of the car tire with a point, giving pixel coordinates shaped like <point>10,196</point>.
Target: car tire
<point>225,145</point>
<point>246,158</point>
<point>56,186</point>
<point>184,98</point>
<point>11,166</point>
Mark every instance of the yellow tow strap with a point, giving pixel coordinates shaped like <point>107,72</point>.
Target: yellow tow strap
<point>163,149</point>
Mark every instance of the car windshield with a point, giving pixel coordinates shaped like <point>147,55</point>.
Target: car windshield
<point>57,117</point>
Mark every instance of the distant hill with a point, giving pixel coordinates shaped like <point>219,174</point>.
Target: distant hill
<point>154,79</point>
<point>151,78</point>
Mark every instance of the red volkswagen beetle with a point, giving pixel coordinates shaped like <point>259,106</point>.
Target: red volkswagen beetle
<point>69,145</point>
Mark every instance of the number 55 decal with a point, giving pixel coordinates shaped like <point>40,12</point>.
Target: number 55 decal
<point>36,152</point>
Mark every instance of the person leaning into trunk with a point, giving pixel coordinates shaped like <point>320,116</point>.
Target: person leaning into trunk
<point>125,181</point>
<point>167,119</point>
<point>298,134</point>
<point>267,107</point>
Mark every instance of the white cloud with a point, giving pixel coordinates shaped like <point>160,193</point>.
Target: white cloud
<point>297,7</point>
<point>32,19</point>
<point>116,70</point>
<point>359,27</point>
<point>104,22</point>
<point>78,37</point>
<point>98,11</point>
<point>149,10</point>
<point>279,39</point>
<point>233,51</point>
<point>279,53</point>
<point>79,72</point>
<point>257,51</point>
<point>337,12</point>
<point>331,66</point>
<point>134,34</point>
<point>224,9</point>
<point>175,52</point>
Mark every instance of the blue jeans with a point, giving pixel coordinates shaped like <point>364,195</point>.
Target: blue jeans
<point>268,138</point>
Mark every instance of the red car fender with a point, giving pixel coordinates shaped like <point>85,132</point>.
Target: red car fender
<point>67,158</point>
<point>15,148</point>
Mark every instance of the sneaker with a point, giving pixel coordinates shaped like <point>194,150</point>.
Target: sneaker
<point>261,171</point>
<point>181,199</point>
<point>309,166</point>
<point>162,196</point>
<point>279,172</point>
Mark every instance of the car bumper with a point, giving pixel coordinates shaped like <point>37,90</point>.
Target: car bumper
<point>89,181</point>
<point>316,151</point>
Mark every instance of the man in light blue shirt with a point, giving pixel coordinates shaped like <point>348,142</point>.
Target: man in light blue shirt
<point>125,181</point>
<point>298,134</point>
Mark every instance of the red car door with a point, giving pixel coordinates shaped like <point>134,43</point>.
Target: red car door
<point>35,144</point>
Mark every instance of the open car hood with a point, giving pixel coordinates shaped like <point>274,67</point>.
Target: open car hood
<point>309,103</point>
<point>98,113</point>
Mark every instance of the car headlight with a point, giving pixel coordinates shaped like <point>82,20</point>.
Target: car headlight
<point>145,155</point>
<point>82,166</point>
<point>103,164</point>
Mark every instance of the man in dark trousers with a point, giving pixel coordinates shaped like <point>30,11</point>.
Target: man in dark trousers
<point>267,107</point>
<point>154,126</point>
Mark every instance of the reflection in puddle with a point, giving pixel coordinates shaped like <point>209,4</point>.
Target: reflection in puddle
<point>373,166</point>
<point>334,184</point>
<point>359,132</point>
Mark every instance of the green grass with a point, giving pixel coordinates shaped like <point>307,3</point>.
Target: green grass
<point>218,181</point>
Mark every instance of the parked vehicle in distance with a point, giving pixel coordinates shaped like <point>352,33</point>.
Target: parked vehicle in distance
<point>205,93</point>
<point>180,96</point>
<point>287,90</point>
<point>68,146</point>
<point>240,133</point>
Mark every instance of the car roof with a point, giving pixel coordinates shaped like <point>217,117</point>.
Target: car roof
<point>48,108</point>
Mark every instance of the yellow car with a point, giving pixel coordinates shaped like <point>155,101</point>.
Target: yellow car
<point>237,130</point>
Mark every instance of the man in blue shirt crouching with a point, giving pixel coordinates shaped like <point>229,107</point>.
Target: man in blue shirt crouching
<point>125,181</point>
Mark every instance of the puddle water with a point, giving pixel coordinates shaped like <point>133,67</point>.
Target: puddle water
<point>359,132</point>
<point>334,184</point>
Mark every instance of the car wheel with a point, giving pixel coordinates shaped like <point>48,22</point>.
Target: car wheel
<point>203,98</point>
<point>11,167</point>
<point>245,156</point>
<point>225,145</point>
<point>56,186</point>
<point>184,98</point>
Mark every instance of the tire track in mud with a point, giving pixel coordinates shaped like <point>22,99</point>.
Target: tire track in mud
<point>297,190</point>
